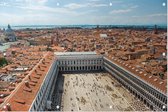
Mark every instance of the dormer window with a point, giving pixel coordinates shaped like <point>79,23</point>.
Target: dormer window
<point>155,79</point>
<point>150,76</point>
<point>161,83</point>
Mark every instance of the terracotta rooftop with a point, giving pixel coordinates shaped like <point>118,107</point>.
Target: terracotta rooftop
<point>120,42</point>
<point>149,78</point>
<point>24,94</point>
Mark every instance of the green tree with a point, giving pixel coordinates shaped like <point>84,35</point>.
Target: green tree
<point>3,62</point>
<point>49,49</point>
<point>161,75</point>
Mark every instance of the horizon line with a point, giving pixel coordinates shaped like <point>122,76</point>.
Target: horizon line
<point>86,24</point>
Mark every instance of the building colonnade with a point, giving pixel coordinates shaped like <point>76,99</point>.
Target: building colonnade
<point>89,64</point>
<point>153,98</point>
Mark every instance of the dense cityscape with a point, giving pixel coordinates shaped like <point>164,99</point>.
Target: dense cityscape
<point>140,51</point>
<point>83,55</point>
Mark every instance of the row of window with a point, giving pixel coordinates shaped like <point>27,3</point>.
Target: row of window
<point>154,100</point>
<point>146,95</point>
<point>149,89</point>
<point>157,94</point>
<point>80,62</point>
<point>42,95</point>
<point>76,68</point>
<point>123,81</point>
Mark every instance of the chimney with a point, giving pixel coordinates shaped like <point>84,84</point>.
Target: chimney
<point>29,77</point>
<point>8,106</point>
<point>27,83</point>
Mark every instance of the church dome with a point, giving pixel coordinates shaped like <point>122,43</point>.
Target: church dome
<point>9,29</point>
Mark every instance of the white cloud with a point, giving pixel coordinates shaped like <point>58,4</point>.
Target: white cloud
<point>45,9</point>
<point>4,4</point>
<point>120,11</point>
<point>75,6</point>
<point>41,14</point>
<point>29,19</point>
<point>78,6</point>
<point>156,15</point>
<point>99,5</point>
<point>41,2</point>
<point>158,18</point>
<point>151,15</point>
<point>37,12</point>
<point>40,7</point>
<point>93,0</point>
<point>135,6</point>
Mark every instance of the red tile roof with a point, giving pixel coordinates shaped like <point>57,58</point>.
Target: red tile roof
<point>153,80</point>
<point>23,96</point>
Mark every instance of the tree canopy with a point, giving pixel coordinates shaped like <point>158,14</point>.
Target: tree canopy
<point>3,62</point>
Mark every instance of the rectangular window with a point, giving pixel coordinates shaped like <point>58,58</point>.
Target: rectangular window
<point>34,107</point>
<point>36,102</point>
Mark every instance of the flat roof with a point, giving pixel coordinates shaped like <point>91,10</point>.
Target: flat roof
<point>103,35</point>
<point>74,53</point>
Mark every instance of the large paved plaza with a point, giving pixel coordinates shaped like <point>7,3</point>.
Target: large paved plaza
<point>96,92</point>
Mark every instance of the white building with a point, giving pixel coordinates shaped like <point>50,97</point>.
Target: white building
<point>79,61</point>
<point>103,36</point>
<point>88,62</point>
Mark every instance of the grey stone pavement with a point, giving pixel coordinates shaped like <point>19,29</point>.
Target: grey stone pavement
<point>97,92</point>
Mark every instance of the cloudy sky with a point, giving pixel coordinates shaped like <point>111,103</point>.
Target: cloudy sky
<point>70,12</point>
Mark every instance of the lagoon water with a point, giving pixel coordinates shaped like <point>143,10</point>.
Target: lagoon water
<point>81,26</point>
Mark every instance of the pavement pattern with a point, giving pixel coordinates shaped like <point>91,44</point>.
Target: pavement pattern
<point>97,92</point>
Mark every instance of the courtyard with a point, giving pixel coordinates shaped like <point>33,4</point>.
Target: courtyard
<point>96,92</point>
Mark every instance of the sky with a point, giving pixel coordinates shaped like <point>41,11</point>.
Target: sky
<point>83,12</point>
